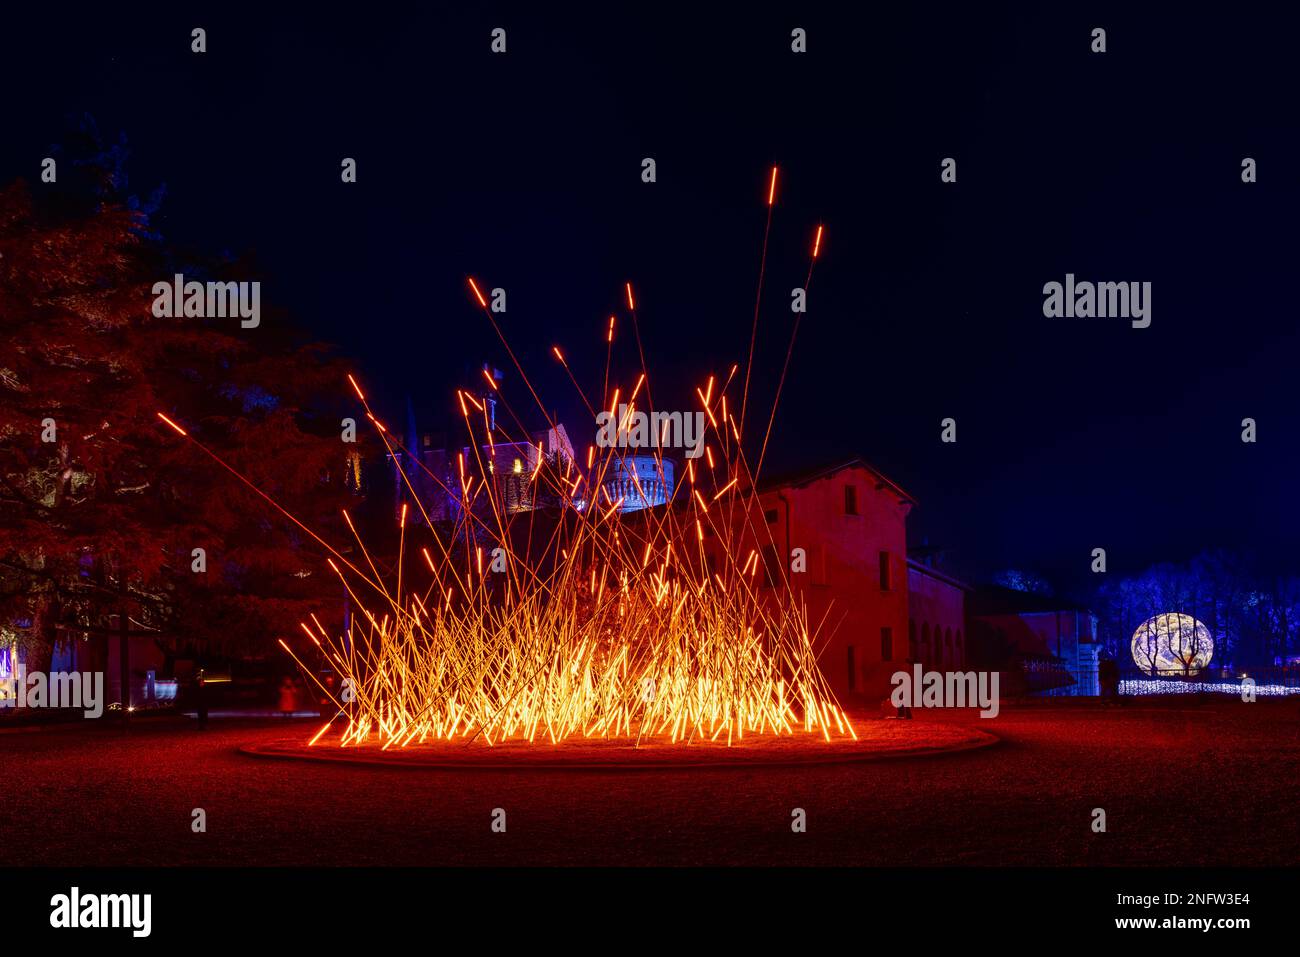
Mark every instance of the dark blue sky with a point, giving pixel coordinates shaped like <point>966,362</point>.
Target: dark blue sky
<point>523,170</point>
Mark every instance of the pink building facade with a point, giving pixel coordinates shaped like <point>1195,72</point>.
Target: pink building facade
<point>841,533</point>
<point>936,626</point>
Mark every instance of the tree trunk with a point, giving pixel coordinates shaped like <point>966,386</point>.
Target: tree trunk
<point>124,664</point>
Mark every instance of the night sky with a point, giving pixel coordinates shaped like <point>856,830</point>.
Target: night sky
<point>524,171</point>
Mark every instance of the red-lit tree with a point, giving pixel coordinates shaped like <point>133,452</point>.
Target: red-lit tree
<point>101,506</point>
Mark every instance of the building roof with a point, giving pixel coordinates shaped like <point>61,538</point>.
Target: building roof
<point>914,565</point>
<point>808,476</point>
<point>1000,600</point>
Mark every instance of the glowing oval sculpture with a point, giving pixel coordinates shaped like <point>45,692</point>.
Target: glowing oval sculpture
<point>1172,645</point>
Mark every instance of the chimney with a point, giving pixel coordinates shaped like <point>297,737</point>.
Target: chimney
<point>489,396</point>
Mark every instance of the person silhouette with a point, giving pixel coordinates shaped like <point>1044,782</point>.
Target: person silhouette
<point>202,700</point>
<point>288,696</point>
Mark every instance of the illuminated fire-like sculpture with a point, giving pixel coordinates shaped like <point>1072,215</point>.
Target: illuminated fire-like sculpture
<point>606,623</point>
<point>1172,645</point>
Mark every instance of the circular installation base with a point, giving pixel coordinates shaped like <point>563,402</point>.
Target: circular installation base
<point>877,740</point>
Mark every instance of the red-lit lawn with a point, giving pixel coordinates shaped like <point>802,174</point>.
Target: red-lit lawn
<point>1181,783</point>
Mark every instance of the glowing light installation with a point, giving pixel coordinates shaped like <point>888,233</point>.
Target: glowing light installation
<point>1172,645</point>
<point>606,624</point>
<point>1140,686</point>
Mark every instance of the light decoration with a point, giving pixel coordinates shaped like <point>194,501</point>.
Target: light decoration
<point>1147,686</point>
<point>1172,645</point>
<point>605,624</point>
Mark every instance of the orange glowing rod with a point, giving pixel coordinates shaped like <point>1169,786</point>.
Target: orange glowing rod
<point>817,243</point>
<point>492,383</point>
<point>269,500</point>
<point>356,387</point>
<point>771,189</point>
<point>173,424</point>
<point>707,410</point>
<point>478,295</point>
<point>323,729</point>
<point>609,337</point>
<point>630,304</point>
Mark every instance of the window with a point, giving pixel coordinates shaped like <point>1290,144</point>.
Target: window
<point>806,563</point>
<point>770,516</point>
<point>850,500</point>
<point>853,671</point>
<point>772,565</point>
<point>884,571</point>
<point>886,644</point>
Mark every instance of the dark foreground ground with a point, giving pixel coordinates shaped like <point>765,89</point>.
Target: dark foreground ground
<point>1182,783</point>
